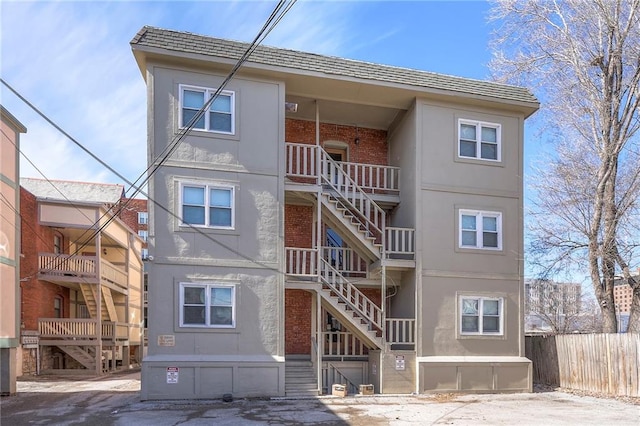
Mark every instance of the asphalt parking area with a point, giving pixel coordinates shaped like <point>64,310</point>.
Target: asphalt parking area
<point>115,400</point>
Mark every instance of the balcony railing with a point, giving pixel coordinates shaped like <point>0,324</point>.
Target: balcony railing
<point>301,261</point>
<point>302,164</point>
<point>401,331</point>
<point>65,267</point>
<point>400,243</point>
<point>345,260</point>
<point>342,344</point>
<point>79,328</point>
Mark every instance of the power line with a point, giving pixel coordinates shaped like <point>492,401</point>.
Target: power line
<point>276,16</point>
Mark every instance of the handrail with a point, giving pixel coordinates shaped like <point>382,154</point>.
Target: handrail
<point>357,201</point>
<point>301,160</point>
<point>67,265</point>
<point>300,261</point>
<point>342,378</point>
<point>400,331</point>
<point>374,177</point>
<point>342,344</point>
<point>350,295</point>
<point>400,241</point>
<point>349,261</point>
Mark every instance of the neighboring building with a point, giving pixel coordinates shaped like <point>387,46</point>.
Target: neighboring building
<point>552,307</point>
<point>81,279</point>
<point>11,129</point>
<point>623,297</point>
<point>331,221</point>
<point>135,214</point>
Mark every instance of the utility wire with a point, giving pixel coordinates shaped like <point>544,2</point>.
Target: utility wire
<point>273,20</point>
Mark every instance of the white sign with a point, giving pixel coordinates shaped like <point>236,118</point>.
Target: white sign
<point>399,362</point>
<point>172,374</point>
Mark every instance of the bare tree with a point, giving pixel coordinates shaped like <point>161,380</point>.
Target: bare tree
<point>582,58</point>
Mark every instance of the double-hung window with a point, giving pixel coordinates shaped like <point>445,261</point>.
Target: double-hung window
<point>144,235</point>
<point>208,205</point>
<point>143,218</point>
<point>218,118</point>
<point>481,316</point>
<point>207,305</point>
<point>480,230</point>
<point>479,140</point>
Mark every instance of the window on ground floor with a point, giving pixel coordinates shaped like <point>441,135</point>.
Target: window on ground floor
<point>481,315</point>
<point>207,305</point>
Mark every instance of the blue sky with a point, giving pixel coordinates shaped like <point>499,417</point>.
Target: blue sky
<point>73,60</point>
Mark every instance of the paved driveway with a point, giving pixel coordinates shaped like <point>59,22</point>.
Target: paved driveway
<point>114,400</point>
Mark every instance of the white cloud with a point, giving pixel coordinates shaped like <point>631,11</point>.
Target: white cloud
<point>73,61</point>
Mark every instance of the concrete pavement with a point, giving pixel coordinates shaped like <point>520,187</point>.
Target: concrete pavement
<point>114,400</point>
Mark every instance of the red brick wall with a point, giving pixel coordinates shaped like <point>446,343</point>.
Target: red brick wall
<point>297,333</point>
<point>37,296</point>
<point>129,214</point>
<point>298,230</point>
<point>371,149</point>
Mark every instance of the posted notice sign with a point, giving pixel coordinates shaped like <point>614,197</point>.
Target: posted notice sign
<point>172,374</point>
<point>399,362</point>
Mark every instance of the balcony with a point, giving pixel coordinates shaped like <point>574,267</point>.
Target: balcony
<point>76,330</point>
<point>63,269</point>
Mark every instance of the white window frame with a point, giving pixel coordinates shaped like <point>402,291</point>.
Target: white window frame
<point>478,141</point>
<point>143,234</point>
<point>143,218</point>
<point>207,304</point>
<point>480,215</point>
<point>208,92</point>
<point>144,253</point>
<point>207,191</point>
<point>481,316</point>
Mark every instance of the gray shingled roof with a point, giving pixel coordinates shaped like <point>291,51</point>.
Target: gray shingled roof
<point>178,41</point>
<point>83,192</point>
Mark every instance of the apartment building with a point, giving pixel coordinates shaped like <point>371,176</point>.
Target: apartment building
<point>330,221</point>
<point>9,249</point>
<point>552,306</point>
<point>81,280</point>
<point>623,297</point>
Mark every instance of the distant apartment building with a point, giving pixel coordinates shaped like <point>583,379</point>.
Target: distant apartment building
<point>623,296</point>
<point>552,306</point>
<point>11,129</point>
<point>81,279</point>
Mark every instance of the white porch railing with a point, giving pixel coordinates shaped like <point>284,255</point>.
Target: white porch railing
<point>342,344</point>
<point>345,260</point>
<point>400,242</point>
<point>401,331</point>
<point>348,293</point>
<point>301,261</point>
<point>373,177</point>
<point>113,274</point>
<point>67,265</point>
<point>67,327</point>
<point>301,160</point>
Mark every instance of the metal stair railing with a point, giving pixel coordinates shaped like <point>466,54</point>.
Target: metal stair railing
<point>350,295</point>
<point>332,375</point>
<point>353,198</point>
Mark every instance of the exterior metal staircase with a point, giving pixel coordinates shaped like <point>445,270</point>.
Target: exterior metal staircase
<point>346,302</point>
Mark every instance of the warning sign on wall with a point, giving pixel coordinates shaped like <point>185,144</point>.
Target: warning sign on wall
<point>172,374</point>
<point>399,362</point>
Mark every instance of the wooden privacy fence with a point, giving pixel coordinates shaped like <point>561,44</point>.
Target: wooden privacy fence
<point>605,363</point>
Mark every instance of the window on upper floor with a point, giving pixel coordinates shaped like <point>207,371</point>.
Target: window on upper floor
<point>479,140</point>
<point>207,305</point>
<point>144,254</point>
<point>144,234</point>
<point>480,230</point>
<point>481,315</point>
<point>143,218</point>
<point>207,205</point>
<point>219,118</point>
